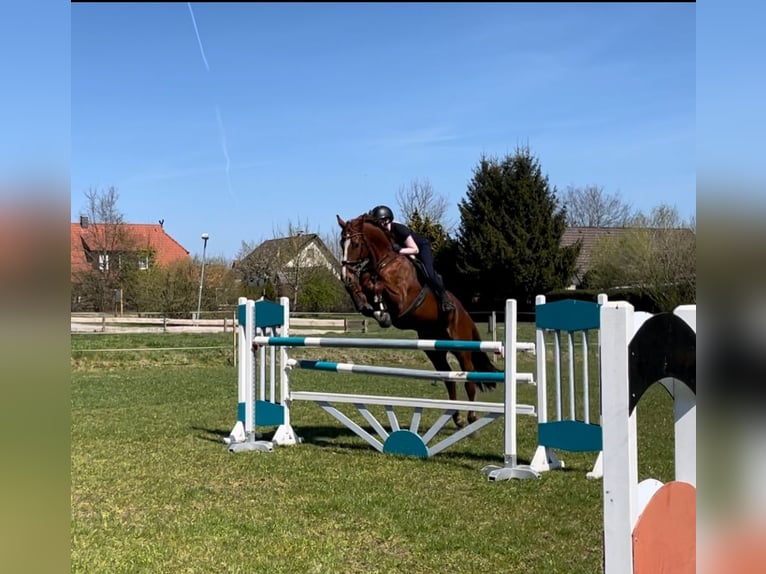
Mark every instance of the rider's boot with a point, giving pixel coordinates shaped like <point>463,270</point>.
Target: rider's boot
<point>444,301</point>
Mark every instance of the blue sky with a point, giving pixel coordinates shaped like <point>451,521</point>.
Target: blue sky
<point>35,96</point>
<point>267,115</point>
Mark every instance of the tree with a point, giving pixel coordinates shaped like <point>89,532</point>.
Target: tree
<point>322,291</point>
<point>267,265</point>
<point>431,230</point>
<point>331,239</point>
<point>508,244</point>
<point>112,256</point>
<point>221,285</point>
<point>171,290</point>
<point>421,199</point>
<point>590,206</point>
<point>423,210</point>
<point>288,265</point>
<point>655,257</point>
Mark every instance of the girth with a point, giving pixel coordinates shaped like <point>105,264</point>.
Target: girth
<point>420,273</point>
<point>417,302</point>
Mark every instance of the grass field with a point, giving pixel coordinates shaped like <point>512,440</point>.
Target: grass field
<point>154,488</point>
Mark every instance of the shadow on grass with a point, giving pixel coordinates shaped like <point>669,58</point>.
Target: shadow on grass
<point>211,435</point>
<point>342,438</point>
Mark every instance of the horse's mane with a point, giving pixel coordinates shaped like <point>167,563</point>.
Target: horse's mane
<point>366,218</point>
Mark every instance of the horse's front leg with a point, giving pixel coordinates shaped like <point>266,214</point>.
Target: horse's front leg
<point>381,312</point>
<point>358,297</point>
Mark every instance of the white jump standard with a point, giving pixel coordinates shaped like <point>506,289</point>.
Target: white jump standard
<point>407,439</point>
<point>558,430</point>
<point>649,527</point>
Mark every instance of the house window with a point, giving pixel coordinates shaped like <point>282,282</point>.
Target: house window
<point>143,262</point>
<point>103,262</point>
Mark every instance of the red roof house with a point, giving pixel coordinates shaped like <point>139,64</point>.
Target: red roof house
<point>88,241</point>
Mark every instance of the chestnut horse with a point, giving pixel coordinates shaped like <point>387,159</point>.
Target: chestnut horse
<point>386,285</point>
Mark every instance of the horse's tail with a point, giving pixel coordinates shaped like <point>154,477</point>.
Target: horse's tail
<point>482,363</point>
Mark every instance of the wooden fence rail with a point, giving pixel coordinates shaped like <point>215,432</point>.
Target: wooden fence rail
<point>95,323</point>
<point>103,324</point>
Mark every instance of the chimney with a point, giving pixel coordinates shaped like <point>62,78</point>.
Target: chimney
<point>84,221</point>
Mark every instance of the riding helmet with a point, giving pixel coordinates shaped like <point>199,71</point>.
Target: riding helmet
<point>382,212</point>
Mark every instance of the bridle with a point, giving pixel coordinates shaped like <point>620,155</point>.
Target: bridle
<point>355,263</point>
<point>358,266</point>
<point>353,269</point>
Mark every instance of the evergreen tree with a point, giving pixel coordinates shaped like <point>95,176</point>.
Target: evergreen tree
<point>508,242</point>
<point>430,229</point>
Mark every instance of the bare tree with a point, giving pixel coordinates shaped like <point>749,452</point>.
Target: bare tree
<point>286,264</point>
<point>656,256</point>
<point>590,206</point>
<point>293,229</point>
<point>663,216</point>
<point>420,199</point>
<point>111,253</point>
<point>332,240</point>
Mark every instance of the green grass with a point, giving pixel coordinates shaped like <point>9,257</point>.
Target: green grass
<point>154,489</point>
<point>114,351</point>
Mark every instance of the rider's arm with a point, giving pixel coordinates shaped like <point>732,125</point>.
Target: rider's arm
<point>410,247</point>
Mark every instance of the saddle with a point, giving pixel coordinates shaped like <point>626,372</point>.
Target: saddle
<point>420,269</point>
<point>425,282</point>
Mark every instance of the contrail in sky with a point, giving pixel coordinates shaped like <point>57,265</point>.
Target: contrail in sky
<point>217,109</point>
<point>199,40</point>
<point>225,148</point>
<point>223,137</point>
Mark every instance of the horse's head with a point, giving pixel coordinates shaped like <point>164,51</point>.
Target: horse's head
<point>354,248</point>
<point>364,245</point>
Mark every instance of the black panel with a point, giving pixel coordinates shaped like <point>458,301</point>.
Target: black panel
<point>664,346</point>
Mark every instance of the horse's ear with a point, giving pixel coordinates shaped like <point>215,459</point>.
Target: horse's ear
<point>340,221</point>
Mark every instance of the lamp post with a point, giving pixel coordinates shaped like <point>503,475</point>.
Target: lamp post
<point>205,237</point>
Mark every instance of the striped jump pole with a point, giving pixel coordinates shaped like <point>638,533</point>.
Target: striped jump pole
<point>396,372</point>
<point>415,344</point>
<point>495,377</point>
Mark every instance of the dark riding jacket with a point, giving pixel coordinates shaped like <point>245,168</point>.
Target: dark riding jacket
<point>400,233</point>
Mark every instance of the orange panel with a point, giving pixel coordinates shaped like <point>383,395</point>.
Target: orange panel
<point>665,536</point>
<point>739,548</point>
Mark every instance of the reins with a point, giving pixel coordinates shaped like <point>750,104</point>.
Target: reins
<point>359,265</point>
<point>368,253</point>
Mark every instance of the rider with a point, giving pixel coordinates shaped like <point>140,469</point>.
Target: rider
<point>411,244</point>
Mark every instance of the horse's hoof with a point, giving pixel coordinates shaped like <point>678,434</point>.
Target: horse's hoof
<point>459,421</point>
<point>383,319</point>
<point>367,312</point>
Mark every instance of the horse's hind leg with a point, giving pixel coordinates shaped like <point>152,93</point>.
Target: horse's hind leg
<point>470,390</point>
<point>439,361</point>
<point>464,359</point>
